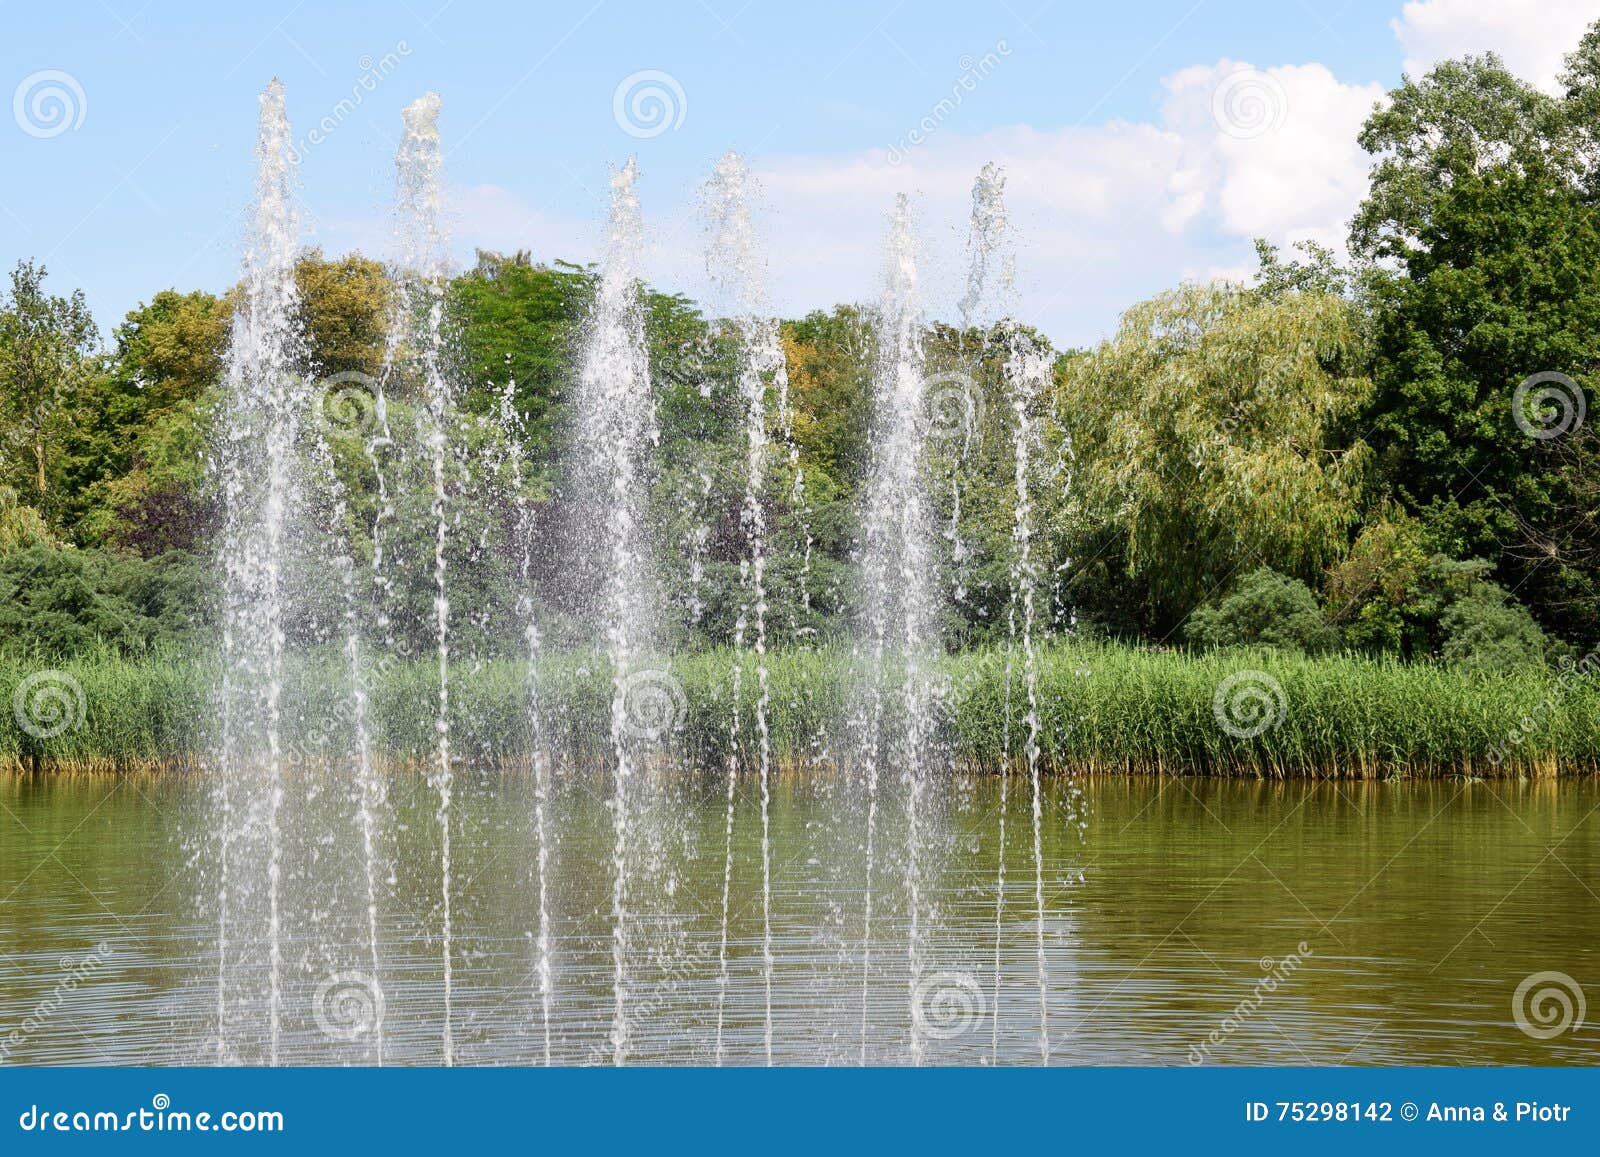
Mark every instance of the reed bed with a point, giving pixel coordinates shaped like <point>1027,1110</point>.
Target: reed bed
<point>1102,709</point>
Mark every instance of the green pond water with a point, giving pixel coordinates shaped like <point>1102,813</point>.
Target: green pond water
<point>1394,921</point>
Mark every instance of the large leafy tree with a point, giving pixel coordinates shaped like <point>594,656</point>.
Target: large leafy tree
<point>1485,236</point>
<point>132,453</point>
<point>133,456</point>
<point>345,305</point>
<point>1211,437</point>
<point>830,379</point>
<point>518,321</point>
<point>47,346</point>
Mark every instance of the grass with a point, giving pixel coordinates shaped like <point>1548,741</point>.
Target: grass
<point>1102,709</point>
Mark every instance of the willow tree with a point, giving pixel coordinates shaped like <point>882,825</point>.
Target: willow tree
<point>1210,439</point>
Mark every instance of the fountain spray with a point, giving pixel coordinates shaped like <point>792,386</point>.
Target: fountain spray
<point>424,272</point>
<point>266,402</point>
<point>614,426</point>
<point>898,569</point>
<point>734,261</point>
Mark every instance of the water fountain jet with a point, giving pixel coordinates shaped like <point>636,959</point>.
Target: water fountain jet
<point>735,262</point>
<point>424,266</point>
<point>614,426</point>
<point>266,399</point>
<point>900,597</point>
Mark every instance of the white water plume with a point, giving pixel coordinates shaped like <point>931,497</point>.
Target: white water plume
<point>901,599</point>
<point>614,428</point>
<point>423,262</point>
<point>735,261</point>
<point>266,399</point>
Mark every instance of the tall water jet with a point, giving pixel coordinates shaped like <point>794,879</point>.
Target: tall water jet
<point>735,263</point>
<point>1028,371</point>
<point>424,270</point>
<point>265,404</point>
<point>337,408</point>
<point>989,294</point>
<point>991,258</point>
<point>614,423</point>
<point>514,430</point>
<point>370,396</point>
<point>898,569</point>
<point>991,277</point>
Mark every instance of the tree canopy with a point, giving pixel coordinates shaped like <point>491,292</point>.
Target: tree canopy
<point>1385,448</point>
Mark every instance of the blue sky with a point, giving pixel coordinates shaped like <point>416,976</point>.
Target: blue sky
<point>1125,175</point>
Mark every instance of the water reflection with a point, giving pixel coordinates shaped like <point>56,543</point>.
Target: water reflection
<point>1394,920</point>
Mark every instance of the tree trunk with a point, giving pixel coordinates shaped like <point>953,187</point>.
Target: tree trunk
<point>38,461</point>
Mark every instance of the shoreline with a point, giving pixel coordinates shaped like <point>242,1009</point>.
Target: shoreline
<point>196,765</point>
<point>1103,711</point>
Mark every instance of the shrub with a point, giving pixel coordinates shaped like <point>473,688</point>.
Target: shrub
<point>1392,598</point>
<point>1265,609</point>
<point>61,601</point>
<point>1488,630</point>
<point>20,525</point>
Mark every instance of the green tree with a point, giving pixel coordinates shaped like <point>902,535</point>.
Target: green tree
<point>1320,272</point>
<point>829,357</point>
<point>518,321</point>
<point>133,450</point>
<point>1482,216</point>
<point>47,345</point>
<point>1392,598</point>
<point>344,312</point>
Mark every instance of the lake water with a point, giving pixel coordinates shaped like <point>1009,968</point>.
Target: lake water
<point>1395,920</point>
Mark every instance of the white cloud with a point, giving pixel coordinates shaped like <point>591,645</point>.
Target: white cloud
<point>1273,152</point>
<point>1106,214</point>
<point>1530,35</point>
